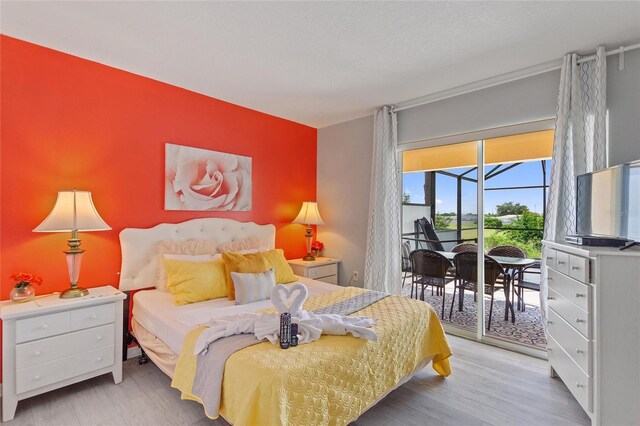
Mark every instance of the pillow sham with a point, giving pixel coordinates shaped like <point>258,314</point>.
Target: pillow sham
<point>253,287</point>
<point>247,263</point>
<point>188,247</point>
<point>191,282</point>
<point>238,245</point>
<point>275,258</point>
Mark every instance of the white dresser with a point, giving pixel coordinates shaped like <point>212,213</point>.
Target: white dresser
<point>594,328</point>
<point>322,269</point>
<point>50,342</point>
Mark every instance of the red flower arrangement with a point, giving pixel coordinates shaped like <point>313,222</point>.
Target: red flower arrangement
<point>317,246</point>
<point>23,279</point>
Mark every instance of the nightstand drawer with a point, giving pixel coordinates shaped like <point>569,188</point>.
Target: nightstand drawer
<point>90,317</point>
<point>92,338</point>
<point>86,362</point>
<point>41,375</point>
<point>44,350</point>
<point>42,326</point>
<point>333,279</point>
<point>323,271</point>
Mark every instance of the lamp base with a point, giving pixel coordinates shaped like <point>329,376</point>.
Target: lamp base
<point>73,292</point>
<point>308,258</point>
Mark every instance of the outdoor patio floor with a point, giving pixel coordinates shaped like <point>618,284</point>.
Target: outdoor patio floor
<point>527,329</point>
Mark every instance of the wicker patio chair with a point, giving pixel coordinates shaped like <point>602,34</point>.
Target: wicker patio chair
<point>429,268</point>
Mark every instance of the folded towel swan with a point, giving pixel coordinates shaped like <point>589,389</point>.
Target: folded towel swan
<point>267,326</point>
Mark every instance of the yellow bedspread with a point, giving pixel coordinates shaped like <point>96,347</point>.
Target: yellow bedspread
<point>331,381</point>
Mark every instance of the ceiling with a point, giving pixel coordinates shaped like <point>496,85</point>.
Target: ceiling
<point>321,63</point>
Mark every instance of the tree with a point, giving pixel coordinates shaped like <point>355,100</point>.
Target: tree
<point>406,198</point>
<point>511,208</point>
<point>529,220</point>
<point>492,222</point>
<point>442,221</point>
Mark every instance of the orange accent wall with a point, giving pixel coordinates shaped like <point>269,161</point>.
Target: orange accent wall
<point>67,123</point>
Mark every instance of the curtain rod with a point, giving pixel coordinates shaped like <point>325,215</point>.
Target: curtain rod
<point>500,79</point>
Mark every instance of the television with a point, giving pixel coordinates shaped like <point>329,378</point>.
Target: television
<point>608,202</point>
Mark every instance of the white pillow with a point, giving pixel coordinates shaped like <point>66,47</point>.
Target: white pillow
<point>253,287</point>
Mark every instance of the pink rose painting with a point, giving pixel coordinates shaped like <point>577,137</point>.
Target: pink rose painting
<point>204,180</point>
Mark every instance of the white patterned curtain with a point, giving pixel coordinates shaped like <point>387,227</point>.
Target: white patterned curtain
<point>579,144</point>
<point>382,264</point>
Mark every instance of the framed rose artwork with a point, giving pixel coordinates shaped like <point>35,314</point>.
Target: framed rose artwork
<point>204,180</point>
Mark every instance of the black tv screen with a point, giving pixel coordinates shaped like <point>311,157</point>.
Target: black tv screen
<point>608,202</point>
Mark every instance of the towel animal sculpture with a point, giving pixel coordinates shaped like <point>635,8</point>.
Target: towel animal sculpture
<point>267,326</point>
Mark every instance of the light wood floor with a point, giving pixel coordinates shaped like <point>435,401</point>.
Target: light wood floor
<point>489,386</point>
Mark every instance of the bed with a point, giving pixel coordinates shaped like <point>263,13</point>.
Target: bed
<point>330,381</point>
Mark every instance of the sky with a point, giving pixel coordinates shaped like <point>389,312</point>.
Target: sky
<point>526,174</point>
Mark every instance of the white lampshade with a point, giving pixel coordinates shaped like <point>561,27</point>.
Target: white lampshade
<point>309,214</point>
<point>74,210</point>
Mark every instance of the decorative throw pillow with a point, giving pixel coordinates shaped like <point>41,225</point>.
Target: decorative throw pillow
<point>191,282</point>
<point>188,247</point>
<point>253,287</point>
<point>238,245</point>
<point>275,258</point>
<point>247,263</point>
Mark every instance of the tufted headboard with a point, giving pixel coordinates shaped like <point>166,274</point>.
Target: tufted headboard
<point>139,260</point>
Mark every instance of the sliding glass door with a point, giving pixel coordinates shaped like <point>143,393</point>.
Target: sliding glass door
<point>499,211</point>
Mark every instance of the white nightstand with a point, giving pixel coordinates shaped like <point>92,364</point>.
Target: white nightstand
<point>322,269</point>
<point>50,342</point>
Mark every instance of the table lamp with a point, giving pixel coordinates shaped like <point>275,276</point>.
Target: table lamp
<point>74,211</point>
<point>309,215</point>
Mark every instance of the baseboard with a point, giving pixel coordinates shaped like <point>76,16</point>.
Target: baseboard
<point>133,352</point>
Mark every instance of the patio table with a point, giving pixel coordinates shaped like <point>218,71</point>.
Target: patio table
<point>515,263</point>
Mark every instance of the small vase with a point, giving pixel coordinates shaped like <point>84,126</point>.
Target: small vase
<point>22,294</point>
<point>315,253</point>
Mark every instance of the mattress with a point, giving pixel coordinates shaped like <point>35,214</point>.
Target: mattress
<point>157,312</point>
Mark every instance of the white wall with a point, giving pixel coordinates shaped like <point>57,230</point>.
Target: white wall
<point>344,150</point>
<point>623,102</point>
<point>344,175</point>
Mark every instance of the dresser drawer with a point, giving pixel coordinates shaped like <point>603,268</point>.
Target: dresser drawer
<point>42,326</point>
<point>573,377</point>
<point>574,291</point>
<point>92,316</point>
<point>43,350</point>
<point>41,375</point>
<point>550,257</point>
<point>562,262</point>
<point>573,342</point>
<point>323,271</point>
<point>92,338</point>
<point>579,268</point>
<point>90,361</point>
<point>571,313</point>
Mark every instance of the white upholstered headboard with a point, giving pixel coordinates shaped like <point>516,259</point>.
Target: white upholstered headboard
<point>139,255</point>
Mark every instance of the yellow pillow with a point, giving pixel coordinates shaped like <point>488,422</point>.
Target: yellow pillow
<point>275,259</point>
<point>247,263</point>
<point>191,282</point>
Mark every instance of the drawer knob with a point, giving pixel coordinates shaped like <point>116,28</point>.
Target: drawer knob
<point>579,351</point>
<point>36,377</point>
<point>578,385</point>
<point>575,268</point>
<point>578,320</point>
<point>36,353</point>
<point>549,278</point>
<point>550,298</point>
<point>549,257</point>
<point>578,295</point>
<point>99,359</point>
<point>561,262</point>
<point>549,322</point>
<point>45,325</point>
